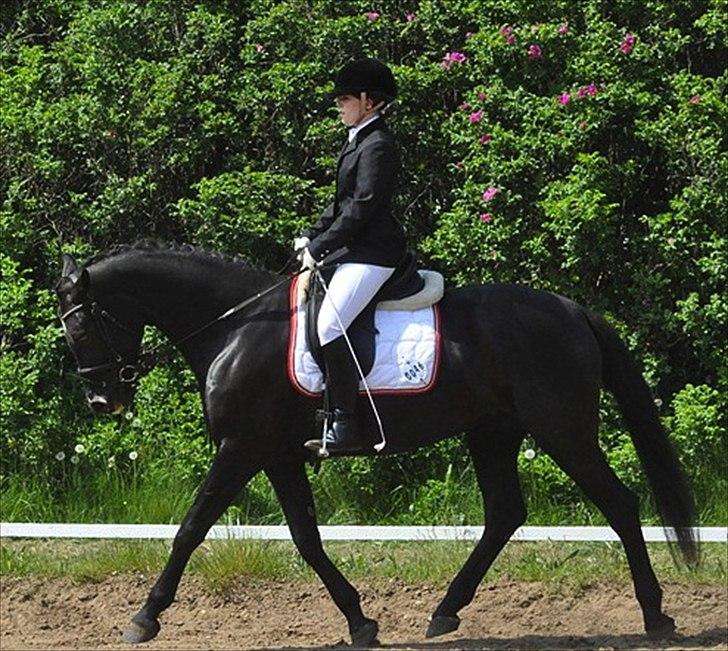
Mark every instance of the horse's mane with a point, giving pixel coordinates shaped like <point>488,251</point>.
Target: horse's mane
<point>170,247</point>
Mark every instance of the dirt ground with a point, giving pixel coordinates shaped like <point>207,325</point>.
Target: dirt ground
<point>57,614</point>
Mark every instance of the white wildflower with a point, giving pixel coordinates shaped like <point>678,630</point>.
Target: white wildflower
<point>129,415</point>
<point>79,449</point>
<point>136,422</point>
<point>133,455</point>
<point>74,459</point>
<point>111,461</point>
<point>658,402</point>
<point>529,454</point>
<point>60,456</point>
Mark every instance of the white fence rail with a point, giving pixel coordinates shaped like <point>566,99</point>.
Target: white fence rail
<point>415,533</point>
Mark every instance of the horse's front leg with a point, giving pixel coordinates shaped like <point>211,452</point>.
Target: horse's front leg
<point>229,471</point>
<point>294,493</point>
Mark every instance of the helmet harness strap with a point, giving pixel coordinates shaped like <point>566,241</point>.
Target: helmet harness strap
<point>363,113</point>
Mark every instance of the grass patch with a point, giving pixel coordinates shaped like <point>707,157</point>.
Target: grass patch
<point>221,563</point>
<point>103,497</point>
<point>164,497</point>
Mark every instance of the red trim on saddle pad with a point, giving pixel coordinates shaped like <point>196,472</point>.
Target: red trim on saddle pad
<point>290,359</point>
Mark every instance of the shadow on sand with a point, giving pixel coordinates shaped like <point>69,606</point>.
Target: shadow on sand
<point>711,638</point>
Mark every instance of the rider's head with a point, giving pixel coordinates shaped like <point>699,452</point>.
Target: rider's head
<point>362,87</point>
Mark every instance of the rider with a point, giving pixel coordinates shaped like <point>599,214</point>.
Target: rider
<point>360,219</point>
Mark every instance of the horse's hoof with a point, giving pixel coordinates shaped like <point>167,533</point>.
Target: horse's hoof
<point>140,630</point>
<point>441,624</point>
<point>366,634</point>
<point>663,627</point>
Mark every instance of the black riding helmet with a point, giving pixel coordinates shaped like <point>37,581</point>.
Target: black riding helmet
<point>366,75</point>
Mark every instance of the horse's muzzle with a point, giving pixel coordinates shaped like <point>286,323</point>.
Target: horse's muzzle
<point>100,405</point>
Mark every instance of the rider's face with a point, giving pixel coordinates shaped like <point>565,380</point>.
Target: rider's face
<point>351,110</point>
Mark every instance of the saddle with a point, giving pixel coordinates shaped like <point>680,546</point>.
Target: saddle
<point>406,289</point>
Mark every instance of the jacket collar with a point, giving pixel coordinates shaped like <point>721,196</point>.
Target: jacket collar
<point>379,123</point>
<point>349,147</point>
<point>354,130</point>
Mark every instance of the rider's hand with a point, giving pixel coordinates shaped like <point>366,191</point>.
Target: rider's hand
<point>299,244</point>
<point>307,260</point>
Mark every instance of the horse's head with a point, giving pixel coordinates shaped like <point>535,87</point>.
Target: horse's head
<point>104,338</point>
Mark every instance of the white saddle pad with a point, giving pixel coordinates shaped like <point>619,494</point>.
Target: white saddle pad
<point>407,353</point>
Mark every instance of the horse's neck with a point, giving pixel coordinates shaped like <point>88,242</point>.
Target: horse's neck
<point>177,293</point>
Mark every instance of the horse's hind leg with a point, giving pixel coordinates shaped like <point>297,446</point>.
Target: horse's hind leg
<point>294,493</point>
<point>494,449</point>
<point>584,462</point>
<point>228,473</point>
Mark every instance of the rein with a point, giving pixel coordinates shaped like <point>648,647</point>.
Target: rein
<point>129,372</point>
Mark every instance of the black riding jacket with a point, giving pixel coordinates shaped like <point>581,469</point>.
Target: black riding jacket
<point>360,217</point>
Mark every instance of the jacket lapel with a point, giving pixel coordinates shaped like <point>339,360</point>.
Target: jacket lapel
<point>351,146</point>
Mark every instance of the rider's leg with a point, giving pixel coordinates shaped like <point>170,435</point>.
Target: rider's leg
<point>350,290</point>
<point>342,382</point>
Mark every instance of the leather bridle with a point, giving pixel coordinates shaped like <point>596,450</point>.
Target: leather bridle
<point>125,372</point>
<point>128,372</point>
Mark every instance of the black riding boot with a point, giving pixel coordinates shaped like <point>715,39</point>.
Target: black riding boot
<point>342,383</point>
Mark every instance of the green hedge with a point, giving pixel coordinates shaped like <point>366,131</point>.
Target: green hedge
<point>576,147</point>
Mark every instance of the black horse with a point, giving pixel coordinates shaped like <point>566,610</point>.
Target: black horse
<point>514,361</point>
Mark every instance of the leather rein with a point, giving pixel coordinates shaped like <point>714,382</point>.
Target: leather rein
<point>126,371</point>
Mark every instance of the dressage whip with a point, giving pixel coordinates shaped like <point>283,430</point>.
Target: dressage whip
<point>379,446</point>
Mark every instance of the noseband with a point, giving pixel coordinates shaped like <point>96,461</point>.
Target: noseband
<point>126,372</point>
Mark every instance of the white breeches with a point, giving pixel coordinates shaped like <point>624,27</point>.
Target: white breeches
<point>351,288</point>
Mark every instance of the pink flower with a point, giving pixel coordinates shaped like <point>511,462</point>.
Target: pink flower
<point>453,57</point>
<point>372,15</point>
<point>591,89</point>
<point>410,17</point>
<point>581,92</point>
<point>534,51</point>
<point>465,106</point>
<point>259,48</point>
<point>507,33</point>
<point>486,217</point>
<point>482,96</point>
<point>628,43</point>
<point>695,99</point>
<point>490,193</point>
<point>564,99</point>
<point>476,117</point>
<point>563,28</point>
<point>468,34</point>
<point>485,138</point>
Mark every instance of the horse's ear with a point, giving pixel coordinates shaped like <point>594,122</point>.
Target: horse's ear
<point>81,282</point>
<point>69,265</point>
<point>84,281</point>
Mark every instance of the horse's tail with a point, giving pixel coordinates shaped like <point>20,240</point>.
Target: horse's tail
<point>670,487</point>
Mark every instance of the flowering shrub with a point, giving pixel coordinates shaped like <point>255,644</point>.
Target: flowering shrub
<point>575,147</point>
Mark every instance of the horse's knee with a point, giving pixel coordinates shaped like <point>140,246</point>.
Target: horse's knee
<point>506,519</point>
<point>309,547</point>
<point>188,536</point>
